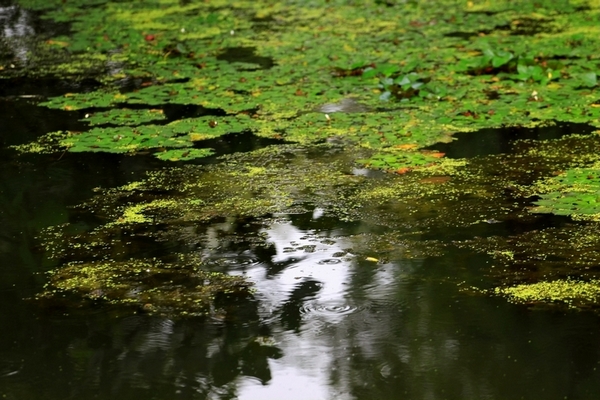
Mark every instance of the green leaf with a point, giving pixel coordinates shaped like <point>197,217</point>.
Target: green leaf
<point>183,154</point>
<point>523,70</point>
<point>589,79</point>
<point>499,61</point>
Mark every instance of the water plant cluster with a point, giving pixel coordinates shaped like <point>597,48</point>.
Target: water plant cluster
<point>420,74</point>
<point>344,87</point>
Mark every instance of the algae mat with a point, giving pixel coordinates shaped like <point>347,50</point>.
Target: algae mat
<point>345,86</point>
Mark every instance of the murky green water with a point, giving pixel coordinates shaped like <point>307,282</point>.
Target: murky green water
<point>323,323</point>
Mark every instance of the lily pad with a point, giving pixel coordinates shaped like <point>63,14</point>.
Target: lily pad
<point>124,116</point>
<point>432,83</point>
<point>575,192</point>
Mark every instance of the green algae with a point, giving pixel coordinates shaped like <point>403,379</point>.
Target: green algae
<point>574,294</point>
<point>147,286</point>
<point>573,250</point>
<point>561,262</point>
<point>277,179</point>
<point>171,204</point>
<point>292,179</point>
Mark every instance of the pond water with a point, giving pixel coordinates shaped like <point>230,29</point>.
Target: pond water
<point>323,324</point>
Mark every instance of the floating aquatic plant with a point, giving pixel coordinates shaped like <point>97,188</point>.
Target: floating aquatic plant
<point>146,286</point>
<point>227,60</point>
<point>575,192</point>
<point>574,294</point>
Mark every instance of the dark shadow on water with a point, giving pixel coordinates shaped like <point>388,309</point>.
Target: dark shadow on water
<point>291,311</point>
<point>498,141</point>
<point>493,227</point>
<point>241,142</point>
<point>179,111</point>
<point>23,121</point>
<point>45,87</point>
<point>245,55</point>
<point>307,221</point>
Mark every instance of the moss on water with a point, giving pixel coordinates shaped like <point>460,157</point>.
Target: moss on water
<point>574,294</point>
<point>134,214</point>
<point>272,180</point>
<point>171,205</point>
<point>147,286</point>
<point>556,252</point>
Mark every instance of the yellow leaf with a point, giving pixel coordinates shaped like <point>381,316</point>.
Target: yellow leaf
<point>194,137</point>
<point>407,146</point>
<point>57,43</point>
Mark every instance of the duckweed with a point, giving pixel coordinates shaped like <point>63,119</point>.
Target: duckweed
<point>148,286</point>
<point>574,294</point>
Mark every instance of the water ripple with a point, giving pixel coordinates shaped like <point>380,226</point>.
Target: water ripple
<point>329,309</point>
<point>329,261</point>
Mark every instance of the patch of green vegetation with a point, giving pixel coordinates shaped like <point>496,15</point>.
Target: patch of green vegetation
<point>574,294</point>
<point>171,204</point>
<point>563,261</point>
<point>181,133</point>
<point>124,116</point>
<point>348,85</point>
<point>183,154</point>
<point>147,286</point>
<point>556,253</point>
<point>575,192</point>
<point>277,179</point>
<point>294,179</point>
<point>433,82</point>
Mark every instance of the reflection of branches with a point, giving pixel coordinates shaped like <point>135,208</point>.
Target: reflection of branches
<point>249,361</point>
<point>291,311</point>
<point>139,356</point>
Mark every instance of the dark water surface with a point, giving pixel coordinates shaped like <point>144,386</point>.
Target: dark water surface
<point>501,140</point>
<point>323,325</point>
